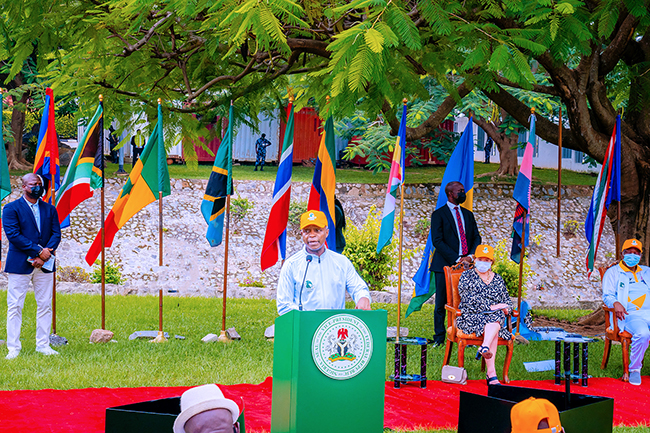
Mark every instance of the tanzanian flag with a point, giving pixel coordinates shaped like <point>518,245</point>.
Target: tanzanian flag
<point>85,172</point>
<point>213,206</point>
<point>46,161</point>
<point>149,177</point>
<point>323,185</point>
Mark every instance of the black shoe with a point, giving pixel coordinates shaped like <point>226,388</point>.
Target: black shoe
<point>255,169</point>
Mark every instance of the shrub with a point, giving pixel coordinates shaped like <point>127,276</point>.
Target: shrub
<point>361,249</point>
<point>66,126</point>
<point>509,270</point>
<point>296,208</point>
<point>113,273</point>
<point>571,228</point>
<point>239,207</point>
<point>249,281</point>
<point>73,274</point>
<point>422,227</point>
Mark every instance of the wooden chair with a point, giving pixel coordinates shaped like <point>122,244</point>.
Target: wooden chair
<point>612,333</point>
<point>454,335</point>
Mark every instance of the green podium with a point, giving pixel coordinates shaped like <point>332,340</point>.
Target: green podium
<point>329,371</point>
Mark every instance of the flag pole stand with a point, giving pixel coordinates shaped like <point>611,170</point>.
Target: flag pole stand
<point>223,336</point>
<point>559,181</point>
<point>55,339</point>
<point>399,259</point>
<point>161,335</point>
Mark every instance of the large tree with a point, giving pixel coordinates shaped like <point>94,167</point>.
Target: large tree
<point>367,55</point>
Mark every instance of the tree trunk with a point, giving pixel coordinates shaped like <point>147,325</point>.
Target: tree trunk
<point>506,145</point>
<point>507,155</point>
<point>15,158</point>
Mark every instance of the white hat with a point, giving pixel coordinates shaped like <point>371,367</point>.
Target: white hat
<point>200,399</point>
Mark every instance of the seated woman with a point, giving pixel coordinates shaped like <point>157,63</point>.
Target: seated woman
<point>484,303</point>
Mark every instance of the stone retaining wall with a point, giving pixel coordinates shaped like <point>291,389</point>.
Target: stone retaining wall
<point>193,268</point>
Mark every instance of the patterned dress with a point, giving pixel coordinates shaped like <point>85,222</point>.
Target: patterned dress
<point>476,298</point>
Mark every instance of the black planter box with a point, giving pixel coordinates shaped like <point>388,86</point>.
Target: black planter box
<point>154,416</point>
<point>491,413</point>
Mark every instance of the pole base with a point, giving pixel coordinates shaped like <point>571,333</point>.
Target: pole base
<point>520,339</point>
<point>160,338</point>
<point>224,337</point>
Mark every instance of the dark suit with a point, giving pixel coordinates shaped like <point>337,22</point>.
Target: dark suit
<point>444,237</point>
<point>23,235</point>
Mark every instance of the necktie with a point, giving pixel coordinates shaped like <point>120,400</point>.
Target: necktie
<point>461,230</point>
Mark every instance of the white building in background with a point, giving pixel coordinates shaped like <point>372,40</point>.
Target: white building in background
<point>544,153</point>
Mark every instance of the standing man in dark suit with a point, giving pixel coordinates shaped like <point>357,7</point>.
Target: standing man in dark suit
<point>455,236</point>
<point>33,230</point>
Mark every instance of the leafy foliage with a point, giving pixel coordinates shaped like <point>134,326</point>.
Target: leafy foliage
<point>509,270</point>
<point>112,273</point>
<point>74,274</point>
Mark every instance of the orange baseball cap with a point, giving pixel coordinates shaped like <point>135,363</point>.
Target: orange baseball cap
<point>313,218</point>
<point>529,415</point>
<point>632,243</point>
<point>484,251</point>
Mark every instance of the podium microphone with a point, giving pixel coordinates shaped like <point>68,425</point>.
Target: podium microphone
<point>309,258</point>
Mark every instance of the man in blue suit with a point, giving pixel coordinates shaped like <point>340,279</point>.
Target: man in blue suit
<point>455,236</point>
<point>33,230</point>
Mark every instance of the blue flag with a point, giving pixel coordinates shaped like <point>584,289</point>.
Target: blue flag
<point>460,168</point>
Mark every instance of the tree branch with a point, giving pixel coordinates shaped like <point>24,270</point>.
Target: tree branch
<point>131,48</point>
<point>547,90</point>
<point>614,51</point>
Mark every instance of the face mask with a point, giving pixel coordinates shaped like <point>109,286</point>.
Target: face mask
<point>631,260</point>
<point>461,197</point>
<point>482,267</point>
<point>36,192</point>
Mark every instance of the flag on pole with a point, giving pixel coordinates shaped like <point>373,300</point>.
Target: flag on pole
<point>84,173</point>
<point>606,190</point>
<point>395,179</point>
<point>213,206</point>
<point>522,196</point>
<point>460,168</point>
<point>5,180</point>
<point>275,238</point>
<point>149,176</point>
<point>46,161</point>
<point>323,185</point>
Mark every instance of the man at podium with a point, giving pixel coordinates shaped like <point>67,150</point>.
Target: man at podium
<point>316,278</point>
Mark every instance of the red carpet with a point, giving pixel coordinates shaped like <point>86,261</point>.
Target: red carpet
<point>83,410</point>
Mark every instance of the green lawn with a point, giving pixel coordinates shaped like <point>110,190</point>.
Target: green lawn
<point>191,362</point>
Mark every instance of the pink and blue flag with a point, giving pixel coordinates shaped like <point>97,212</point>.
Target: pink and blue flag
<point>46,161</point>
<point>275,237</point>
<point>606,190</point>
<point>395,179</point>
<point>522,197</point>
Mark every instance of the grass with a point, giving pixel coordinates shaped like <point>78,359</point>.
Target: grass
<point>414,175</point>
<point>567,315</point>
<point>190,362</point>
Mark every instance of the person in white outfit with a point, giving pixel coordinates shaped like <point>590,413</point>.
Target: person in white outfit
<point>626,289</point>
<point>316,278</point>
<point>33,230</point>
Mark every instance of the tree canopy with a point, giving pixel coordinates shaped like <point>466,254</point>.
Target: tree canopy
<point>590,56</point>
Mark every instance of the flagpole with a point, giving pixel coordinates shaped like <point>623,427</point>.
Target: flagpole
<point>559,181</point>
<point>618,209</point>
<point>161,335</point>
<point>399,280</point>
<point>521,266</point>
<point>223,337</point>
<point>52,202</point>
<point>102,197</point>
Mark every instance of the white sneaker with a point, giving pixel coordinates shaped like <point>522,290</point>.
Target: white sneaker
<point>12,354</point>
<point>47,350</point>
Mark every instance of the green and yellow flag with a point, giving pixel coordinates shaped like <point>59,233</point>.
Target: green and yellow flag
<point>149,177</point>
